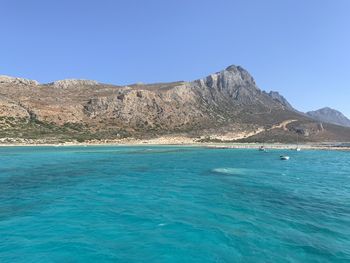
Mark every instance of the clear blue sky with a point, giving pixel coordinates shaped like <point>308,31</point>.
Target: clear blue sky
<point>298,47</point>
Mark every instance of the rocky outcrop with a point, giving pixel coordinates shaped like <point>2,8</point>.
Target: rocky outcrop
<point>145,109</point>
<point>279,98</point>
<point>233,84</point>
<point>330,116</point>
<point>17,81</point>
<point>12,109</point>
<point>67,83</point>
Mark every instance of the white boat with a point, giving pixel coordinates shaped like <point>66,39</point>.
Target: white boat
<point>262,149</point>
<point>298,148</point>
<point>284,157</point>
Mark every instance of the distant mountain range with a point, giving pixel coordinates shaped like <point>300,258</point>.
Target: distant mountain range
<point>329,115</point>
<point>226,106</point>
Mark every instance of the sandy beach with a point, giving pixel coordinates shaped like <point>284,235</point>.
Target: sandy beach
<point>182,141</point>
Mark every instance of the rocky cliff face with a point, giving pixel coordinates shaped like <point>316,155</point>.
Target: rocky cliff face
<point>225,103</point>
<point>233,85</point>
<point>330,116</point>
<point>279,98</point>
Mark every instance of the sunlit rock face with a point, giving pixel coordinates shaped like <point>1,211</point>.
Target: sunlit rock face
<point>19,81</point>
<point>226,102</point>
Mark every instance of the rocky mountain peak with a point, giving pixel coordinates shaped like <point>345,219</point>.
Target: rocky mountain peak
<point>238,70</point>
<point>235,68</point>
<point>232,68</point>
<point>232,76</point>
<point>234,84</point>
<point>329,115</point>
<point>14,80</point>
<point>328,110</point>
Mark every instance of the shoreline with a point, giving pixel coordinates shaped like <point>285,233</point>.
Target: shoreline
<point>186,143</point>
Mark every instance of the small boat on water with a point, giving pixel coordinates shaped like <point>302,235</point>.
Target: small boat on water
<point>298,148</point>
<point>284,157</point>
<point>262,149</point>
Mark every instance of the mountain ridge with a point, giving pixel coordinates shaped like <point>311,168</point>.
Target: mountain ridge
<point>327,114</point>
<point>226,104</point>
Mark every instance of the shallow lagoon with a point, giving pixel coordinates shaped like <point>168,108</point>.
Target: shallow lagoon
<point>173,204</point>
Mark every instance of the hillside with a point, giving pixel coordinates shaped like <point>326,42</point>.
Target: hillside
<point>330,116</point>
<point>226,105</point>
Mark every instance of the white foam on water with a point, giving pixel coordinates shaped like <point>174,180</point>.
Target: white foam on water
<point>231,171</point>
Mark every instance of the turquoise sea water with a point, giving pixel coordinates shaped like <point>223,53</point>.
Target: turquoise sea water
<point>173,204</point>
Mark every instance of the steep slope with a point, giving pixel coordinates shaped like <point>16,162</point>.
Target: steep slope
<point>330,116</point>
<point>226,105</point>
<point>279,98</point>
